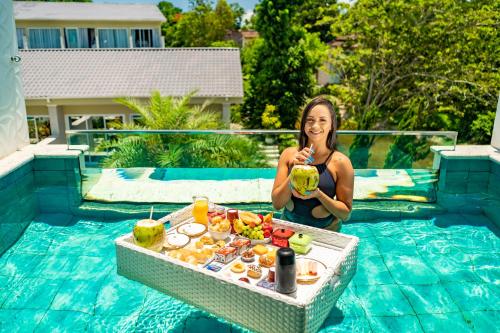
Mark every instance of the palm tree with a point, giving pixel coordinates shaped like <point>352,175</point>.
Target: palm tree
<point>178,150</point>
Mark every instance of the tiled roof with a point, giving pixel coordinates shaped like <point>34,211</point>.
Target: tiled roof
<point>75,11</point>
<point>105,73</point>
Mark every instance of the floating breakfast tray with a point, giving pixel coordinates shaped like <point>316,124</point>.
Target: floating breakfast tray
<point>246,304</point>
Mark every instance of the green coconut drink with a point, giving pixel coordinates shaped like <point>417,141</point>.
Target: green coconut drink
<point>149,234</point>
<point>304,178</point>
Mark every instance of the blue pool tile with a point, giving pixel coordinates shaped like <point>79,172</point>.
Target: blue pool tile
<point>368,247</point>
<point>19,265</point>
<point>20,320</point>
<point>470,296</point>
<point>34,293</point>
<point>452,266</point>
<point>33,242</point>
<point>68,245</point>
<point>105,324</point>
<point>449,322</point>
<point>480,165</point>
<point>198,322</point>
<point>429,299</point>
<point>100,246</point>
<point>54,267</point>
<point>387,229</point>
<point>383,300</point>
<point>348,304</point>
<point>409,269</point>
<point>47,222</point>
<point>49,164</point>
<point>159,304</point>
<point>405,324</point>
<point>76,296</point>
<point>402,244</point>
<point>120,296</point>
<point>91,268</point>
<point>482,321</point>
<point>361,230</point>
<point>372,271</point>
<point>487,267</point>
<point>63,321</point>
<point>346,324</point>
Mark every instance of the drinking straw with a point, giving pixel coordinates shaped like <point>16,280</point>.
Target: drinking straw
<point>310,159</point>
<point>151,213</point>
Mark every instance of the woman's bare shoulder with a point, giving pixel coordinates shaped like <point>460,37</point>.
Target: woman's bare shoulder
<point>288,152</point>
<point>287,155</point>
<point>341,162</point>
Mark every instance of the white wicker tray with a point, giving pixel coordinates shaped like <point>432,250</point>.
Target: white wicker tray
<point>254,307</point>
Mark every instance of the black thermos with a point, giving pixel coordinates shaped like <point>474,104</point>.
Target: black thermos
<point>286,273</point>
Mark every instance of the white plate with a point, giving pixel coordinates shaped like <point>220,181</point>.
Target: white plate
<point>175,241</point>
<point>192,229</point>
<point>306,278</point>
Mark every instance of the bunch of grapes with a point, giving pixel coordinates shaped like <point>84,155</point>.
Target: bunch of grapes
<point>253,233</point>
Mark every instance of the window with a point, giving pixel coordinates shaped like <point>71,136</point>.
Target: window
<point>44,38</point>
<point>80,38</point>
<point>38,128</point>
<point>145,38</point>
<point>136,119</point>
<point>20,38</point>
<point>113,38</point>
<point>95,122</point>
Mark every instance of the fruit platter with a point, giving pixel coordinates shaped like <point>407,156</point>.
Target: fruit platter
<point>289,275</point>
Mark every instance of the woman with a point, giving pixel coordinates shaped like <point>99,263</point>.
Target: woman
<point>332,200</point>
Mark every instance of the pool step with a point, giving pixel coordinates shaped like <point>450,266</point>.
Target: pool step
<point>272,153</point>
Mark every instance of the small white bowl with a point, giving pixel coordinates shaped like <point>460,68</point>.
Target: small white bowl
<point>219,235</point>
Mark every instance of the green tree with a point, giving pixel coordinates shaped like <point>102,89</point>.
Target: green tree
<point>317,16</point>
<point>282,73</point>
<point>205,25</point>
<point>419,65</point>
<point>173,15</point>
<point>180,150</point>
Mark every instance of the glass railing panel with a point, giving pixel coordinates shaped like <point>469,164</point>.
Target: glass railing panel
<point>388,164</point>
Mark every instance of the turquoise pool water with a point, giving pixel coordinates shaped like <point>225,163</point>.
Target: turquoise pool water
<point>427,275</point>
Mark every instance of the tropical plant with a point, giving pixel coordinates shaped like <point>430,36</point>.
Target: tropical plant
<point>282,72</point>
<point>178,150</point>
<point>202,26</point>
<point>419,65</point>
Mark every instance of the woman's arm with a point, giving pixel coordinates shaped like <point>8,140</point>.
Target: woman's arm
<point>281,193</point>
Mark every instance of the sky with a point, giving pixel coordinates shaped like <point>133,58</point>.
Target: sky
<point>248,5</point>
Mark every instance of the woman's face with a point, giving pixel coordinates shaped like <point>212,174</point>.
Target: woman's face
<point>318,124</point>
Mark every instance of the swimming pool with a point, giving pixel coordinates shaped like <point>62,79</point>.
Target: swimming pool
<point>424,275</point>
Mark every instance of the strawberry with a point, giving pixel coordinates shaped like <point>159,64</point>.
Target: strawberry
<point>267,233</point>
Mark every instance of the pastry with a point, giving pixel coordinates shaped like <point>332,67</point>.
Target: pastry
<point>248,256</point>
<point>254,271</point>
<point>260,249</point>
<point>220,243</point>
<point>238,267</point>
<point>207,240</point>
<point>199,244</point>
<point>266,260</point>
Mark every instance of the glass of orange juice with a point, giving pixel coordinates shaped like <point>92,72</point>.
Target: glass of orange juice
<point>200,209</point>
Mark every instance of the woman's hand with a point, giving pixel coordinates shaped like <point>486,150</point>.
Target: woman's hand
<point>301,156</point>
<point>312,195</point>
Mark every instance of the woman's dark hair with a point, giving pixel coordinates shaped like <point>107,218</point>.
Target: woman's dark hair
<point>331,141</point>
